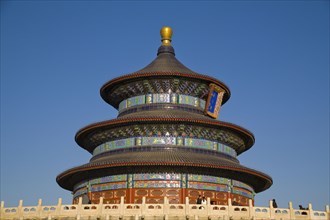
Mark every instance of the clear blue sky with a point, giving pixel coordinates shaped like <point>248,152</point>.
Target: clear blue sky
<point>273,55</point>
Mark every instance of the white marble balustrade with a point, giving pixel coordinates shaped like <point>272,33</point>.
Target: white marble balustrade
<point>164,211</point>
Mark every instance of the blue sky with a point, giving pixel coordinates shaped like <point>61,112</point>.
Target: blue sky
<point>273,55</point>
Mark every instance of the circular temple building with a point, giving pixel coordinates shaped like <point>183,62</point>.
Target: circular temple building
<point>166,140</point>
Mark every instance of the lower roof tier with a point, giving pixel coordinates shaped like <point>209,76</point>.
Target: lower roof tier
<point>174,160</point>
<point>172,123</point>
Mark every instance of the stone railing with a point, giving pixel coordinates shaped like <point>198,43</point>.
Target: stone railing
<point>164,211</point>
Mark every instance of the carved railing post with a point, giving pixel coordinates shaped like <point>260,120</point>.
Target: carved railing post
<point>79,208</point>
<point>20,211</point>
<point>230,209</point>
<point>39,208</point>
<point>122,207</point>
<point>58,207</point>
<point>251,209</point>
<point>271,204</point>
<point>208,206</point>
<point>100,207</point>
<point>310,211</point>
<point>2,208</point>
<point>291,210</point>
<point>271,210</point>
<point>166,207</point>
<point>143,207</point>
<point>187,211</point>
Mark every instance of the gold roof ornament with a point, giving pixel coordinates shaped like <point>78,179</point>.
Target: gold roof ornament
<point>166,33</point>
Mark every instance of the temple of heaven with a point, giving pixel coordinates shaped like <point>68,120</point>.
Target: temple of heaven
<point>165,142</point>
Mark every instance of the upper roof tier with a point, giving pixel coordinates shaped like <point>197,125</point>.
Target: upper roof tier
<point>165,74</point>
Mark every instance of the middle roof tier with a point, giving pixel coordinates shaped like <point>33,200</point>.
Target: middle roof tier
<point>165,123</point>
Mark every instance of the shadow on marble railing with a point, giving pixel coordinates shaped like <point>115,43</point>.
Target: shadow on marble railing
<point>165,210</point>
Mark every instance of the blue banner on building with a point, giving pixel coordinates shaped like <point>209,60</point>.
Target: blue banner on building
<point>214,101</point>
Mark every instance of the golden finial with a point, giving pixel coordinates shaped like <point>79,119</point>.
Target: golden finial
<point>166,33</point>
